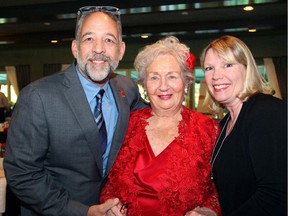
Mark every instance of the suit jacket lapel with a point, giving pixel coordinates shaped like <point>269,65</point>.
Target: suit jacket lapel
<point>79,105</point>
<point>121,125</point>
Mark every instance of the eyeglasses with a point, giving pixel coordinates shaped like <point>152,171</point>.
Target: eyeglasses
<point>106,9</point>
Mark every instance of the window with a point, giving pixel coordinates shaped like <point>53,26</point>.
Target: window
<point>7,88</point>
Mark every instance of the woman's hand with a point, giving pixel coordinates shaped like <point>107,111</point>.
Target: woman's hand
<point>111,207</point>
<point>120,209</point>
<point>201,211</point>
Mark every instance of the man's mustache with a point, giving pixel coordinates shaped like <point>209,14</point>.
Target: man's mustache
<point>99,57</point>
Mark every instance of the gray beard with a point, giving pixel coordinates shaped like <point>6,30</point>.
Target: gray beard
<point>102,72</point>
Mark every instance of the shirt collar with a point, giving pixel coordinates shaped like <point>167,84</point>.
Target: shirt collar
<point>90,88</point>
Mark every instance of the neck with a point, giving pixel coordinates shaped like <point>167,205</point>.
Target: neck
<point>166,113</point>
<point>234,110</point>
<point>234,113</point>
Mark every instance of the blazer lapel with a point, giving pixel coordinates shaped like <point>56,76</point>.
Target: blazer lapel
<point>77,99</point>
<point>121,125</point>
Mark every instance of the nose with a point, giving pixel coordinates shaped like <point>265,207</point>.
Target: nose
<point>98,46</point>
<point>163,84</point>
<point>217,74</point>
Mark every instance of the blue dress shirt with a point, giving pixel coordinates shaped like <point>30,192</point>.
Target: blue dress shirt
<point>109,109</point>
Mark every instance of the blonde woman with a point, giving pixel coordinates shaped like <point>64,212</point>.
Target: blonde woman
<point>249,164</point>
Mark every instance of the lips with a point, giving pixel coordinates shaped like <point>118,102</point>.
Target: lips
<point>220,87</point>
<point>99,58</point>
<point>165,97</point>
<point>97,61</point>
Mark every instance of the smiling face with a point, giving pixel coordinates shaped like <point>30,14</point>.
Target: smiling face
<point>98,49</point>
<point>225,80</point>
<point>164,84</point>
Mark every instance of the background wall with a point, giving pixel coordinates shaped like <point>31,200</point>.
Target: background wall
<point>261,47</point>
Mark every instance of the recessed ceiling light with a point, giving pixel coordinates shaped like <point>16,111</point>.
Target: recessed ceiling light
<point>248,8</point>
<point>252,30</point>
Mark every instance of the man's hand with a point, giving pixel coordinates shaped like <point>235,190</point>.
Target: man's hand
<point>110,207</point>
<point>201,211</point>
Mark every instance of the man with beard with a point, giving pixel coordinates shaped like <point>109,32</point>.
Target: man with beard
<point>54,162</point>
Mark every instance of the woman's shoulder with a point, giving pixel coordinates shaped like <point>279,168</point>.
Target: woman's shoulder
<point>140,112</point>
<point>265,103</point>
<point>199,120</point>
<point>140,115</point>
<point>262,109</point>
<point>266,98</point>
<point>199,117</point>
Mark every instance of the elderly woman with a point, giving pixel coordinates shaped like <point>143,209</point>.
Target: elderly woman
<point>250,157</point>
<point>163,166</point>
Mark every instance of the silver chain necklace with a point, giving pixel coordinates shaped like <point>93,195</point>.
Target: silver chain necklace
<point>214,156</point>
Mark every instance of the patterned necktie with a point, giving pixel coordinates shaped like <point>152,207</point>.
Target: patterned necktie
<point>100,120</point>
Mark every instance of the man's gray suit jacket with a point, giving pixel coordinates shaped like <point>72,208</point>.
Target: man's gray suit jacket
<point>53,161</point>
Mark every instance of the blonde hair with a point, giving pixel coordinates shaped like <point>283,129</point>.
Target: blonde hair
<point>233,50</point>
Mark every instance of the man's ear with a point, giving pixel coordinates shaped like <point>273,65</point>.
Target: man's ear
<point>122,50</point>
<point>74,48</point>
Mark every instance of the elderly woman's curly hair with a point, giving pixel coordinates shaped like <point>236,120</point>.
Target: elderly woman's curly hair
<point>169,45</point>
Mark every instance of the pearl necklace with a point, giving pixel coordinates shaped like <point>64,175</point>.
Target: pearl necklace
<point>214,156</point>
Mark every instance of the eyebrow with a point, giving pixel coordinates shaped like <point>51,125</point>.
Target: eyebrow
<point>106,34</point>
<point>112,35</point>
<point>85,34</point>
<point>170,72</point>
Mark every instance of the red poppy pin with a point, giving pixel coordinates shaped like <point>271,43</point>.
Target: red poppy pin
<point>122,93</point>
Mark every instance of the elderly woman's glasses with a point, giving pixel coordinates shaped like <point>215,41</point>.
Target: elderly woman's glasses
<point>105,9</point>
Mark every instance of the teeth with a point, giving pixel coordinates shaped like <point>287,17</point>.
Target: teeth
<point>164,96</point>
<point>97,61</point>
<point>220,86</point>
